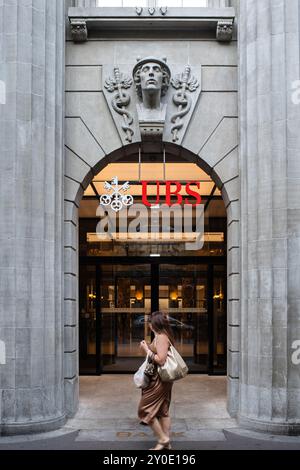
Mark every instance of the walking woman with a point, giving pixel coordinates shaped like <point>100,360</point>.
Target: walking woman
<point>155,401</point>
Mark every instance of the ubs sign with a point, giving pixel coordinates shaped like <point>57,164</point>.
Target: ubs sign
<point>117,198</point>
<point>171,216</point>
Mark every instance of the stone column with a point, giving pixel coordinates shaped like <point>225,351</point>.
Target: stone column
<point>31,215</point>
<point>270,169</point>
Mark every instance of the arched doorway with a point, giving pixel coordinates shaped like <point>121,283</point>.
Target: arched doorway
<point>122,280</point>
<point>225,175</point>
<point>111,332</point>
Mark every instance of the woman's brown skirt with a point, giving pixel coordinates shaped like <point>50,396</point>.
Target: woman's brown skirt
<point>155,400</point>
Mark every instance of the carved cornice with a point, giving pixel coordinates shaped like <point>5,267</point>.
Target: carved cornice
<point>219,21</point>
<point>225,30</point>
<point>79,29</point>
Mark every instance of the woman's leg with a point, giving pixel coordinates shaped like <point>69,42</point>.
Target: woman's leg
<point>165,423</point>
<point>162,437</point>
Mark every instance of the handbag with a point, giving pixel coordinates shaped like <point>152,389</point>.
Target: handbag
<point>140,379</point>
<point>174,368</point>
<point>150,368</point>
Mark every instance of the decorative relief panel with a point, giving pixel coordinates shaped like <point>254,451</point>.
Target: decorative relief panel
<point>159,106</point>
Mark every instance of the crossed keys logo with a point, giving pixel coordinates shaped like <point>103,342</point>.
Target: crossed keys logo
<point>116,200</point>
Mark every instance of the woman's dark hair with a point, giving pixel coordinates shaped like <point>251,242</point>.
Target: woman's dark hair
<point>160,324</point>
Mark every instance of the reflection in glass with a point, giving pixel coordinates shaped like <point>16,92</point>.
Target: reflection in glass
<point>109,3</point>
<point>169,3</point>
<point>219,360</point>
<point>134,3</point>
<point>125,304</point>
<point>183,295</point>
<point>87,319</point>
<point>194,3</point>
<point>195,304</point>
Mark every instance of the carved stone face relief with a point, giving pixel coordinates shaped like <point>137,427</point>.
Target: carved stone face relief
<point>155,70</point>
<point>151,83</point>
<point>152,79</point>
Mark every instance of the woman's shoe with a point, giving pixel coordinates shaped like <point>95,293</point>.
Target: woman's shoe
<point>162,445</point>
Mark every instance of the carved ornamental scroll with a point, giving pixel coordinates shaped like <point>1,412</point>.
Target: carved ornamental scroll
<point>121,99</point>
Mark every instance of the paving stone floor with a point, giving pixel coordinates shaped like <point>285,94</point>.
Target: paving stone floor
<point>110,402</point>
<point>107,420</point>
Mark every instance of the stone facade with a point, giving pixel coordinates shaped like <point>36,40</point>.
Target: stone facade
<point>92,137</point>
<point>47,163</point>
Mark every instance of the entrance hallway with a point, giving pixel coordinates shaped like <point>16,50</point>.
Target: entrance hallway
<point>108,406</point>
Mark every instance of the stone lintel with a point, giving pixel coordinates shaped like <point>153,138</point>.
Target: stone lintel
<point>217,20</point>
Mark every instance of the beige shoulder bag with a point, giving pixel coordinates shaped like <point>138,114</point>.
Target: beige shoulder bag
<point>174,368</point>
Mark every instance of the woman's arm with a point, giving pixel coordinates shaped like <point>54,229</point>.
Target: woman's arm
<point>162,347</point>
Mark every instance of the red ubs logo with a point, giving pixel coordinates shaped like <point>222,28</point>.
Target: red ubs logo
<point>173,191</point>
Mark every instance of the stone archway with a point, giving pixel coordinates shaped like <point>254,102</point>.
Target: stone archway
<point>224,171</point>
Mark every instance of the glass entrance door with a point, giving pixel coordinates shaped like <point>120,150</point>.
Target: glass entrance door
<point>87,320</point>
<point>116,299</point>
<point>219,320</point>
<point>125,302</point>
<point>183,294</point>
